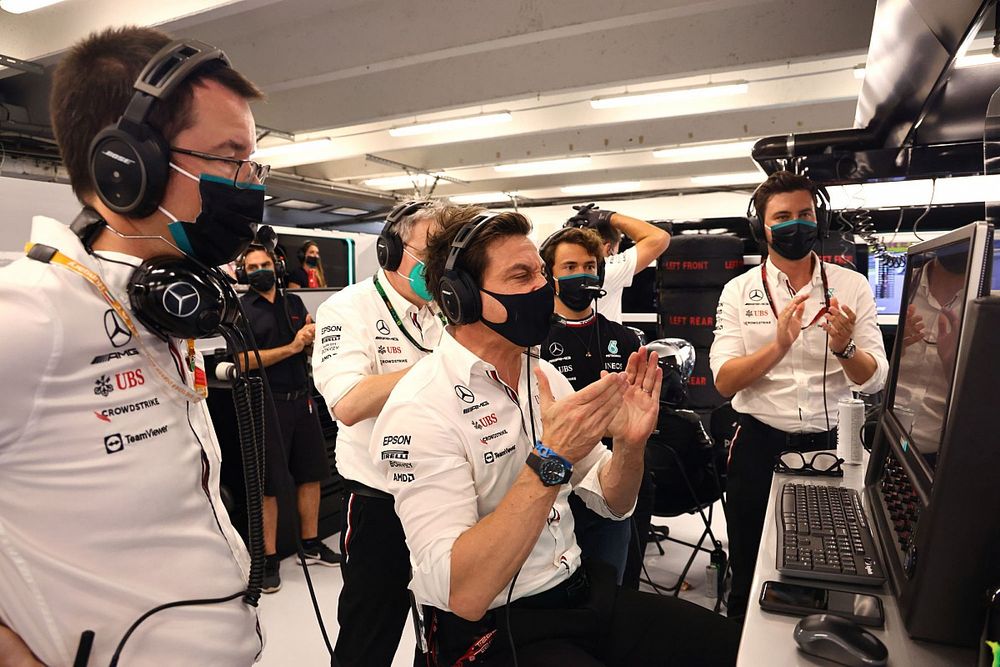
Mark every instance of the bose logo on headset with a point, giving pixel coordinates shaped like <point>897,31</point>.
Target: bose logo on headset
<point>116,156</point>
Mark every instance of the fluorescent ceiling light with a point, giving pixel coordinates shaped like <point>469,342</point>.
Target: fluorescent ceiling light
<point>859,73</point>
<point>896,194</point>
<point>976,60</point>
<point>731,149</point>
<point>24,6</point>
<point>741,178</point>
<point>401,182</point>
<point>544,166</point>
<point>296,149</point>
<point>348,210</point>
<point>451,124</point>
<point>601,188</point>
<point>482,197</point>
<point>299,205</point>
<point>639,99</point>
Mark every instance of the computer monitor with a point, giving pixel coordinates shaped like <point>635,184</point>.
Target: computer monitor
<point>941,277</point>
<point>885,273</point>
<point>995,283</point>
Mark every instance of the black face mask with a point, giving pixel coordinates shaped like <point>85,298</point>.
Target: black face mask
<point>579,290</point>
<point>226,225</point>
<point>262,280</point>
<point>529,316</point>
<point>312,261</point>
<point>793,239</point>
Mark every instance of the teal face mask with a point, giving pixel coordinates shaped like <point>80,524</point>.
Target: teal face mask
<point>418,281</point>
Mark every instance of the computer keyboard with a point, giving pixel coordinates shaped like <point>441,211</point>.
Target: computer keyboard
<point>823,533</point>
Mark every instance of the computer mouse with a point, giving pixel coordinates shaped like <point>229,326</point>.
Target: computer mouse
<point>840,640</point>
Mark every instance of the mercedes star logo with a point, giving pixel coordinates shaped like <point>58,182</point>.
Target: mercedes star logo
<point>382,327</point>
<point>756,295</point>
<point>464,393</point>
<point>181,299</point>
<point>118,333</point>
<point>556,349</point>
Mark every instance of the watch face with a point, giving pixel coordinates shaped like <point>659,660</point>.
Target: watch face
<point>551,472</point>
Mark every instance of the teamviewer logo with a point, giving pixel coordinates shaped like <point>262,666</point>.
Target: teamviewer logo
<point>113,443</point>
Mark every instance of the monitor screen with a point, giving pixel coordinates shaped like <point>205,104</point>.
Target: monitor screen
<point>336,255</point>
<point>937,283</point>
<point>885,275</point>
<point>995,286</point>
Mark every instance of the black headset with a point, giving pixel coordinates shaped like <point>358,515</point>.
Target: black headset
<point>241,264</point>
<point>130,160</point>
<point>389,247</point>
<point>460,298</point>
<point>554,239</point>
<point>821,200</point>
<point>302,251</point>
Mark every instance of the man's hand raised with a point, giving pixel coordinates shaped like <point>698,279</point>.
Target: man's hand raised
<point>572,425</point>
<point>640,405</point>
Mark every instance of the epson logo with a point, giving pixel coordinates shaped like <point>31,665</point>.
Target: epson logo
<point>115,156</point>
<point>396,440</point>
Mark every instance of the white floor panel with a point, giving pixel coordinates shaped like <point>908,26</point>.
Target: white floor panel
<point>293,636</point>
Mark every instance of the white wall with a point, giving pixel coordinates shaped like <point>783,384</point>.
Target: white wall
<point>20,199</point>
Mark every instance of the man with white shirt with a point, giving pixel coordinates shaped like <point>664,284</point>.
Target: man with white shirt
<point>481,445</point>
<point>792,338</point>
<point>620,267</point>
<point>109,464</point>
<point>370,334</point>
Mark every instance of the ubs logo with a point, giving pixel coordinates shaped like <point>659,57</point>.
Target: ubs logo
<point>382,327</point>
<point>464,393</point>
<point>181,300</point>
<point>118,333</point>
<point>756,295</point>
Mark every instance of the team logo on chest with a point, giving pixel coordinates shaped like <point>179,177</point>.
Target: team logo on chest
<point>756,295</point>
<point>556,349</point>
<point>382,327</point>
<point>613,347</point>
<point>117,332</point>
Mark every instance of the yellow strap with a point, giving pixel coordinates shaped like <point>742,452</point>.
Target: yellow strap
<point>90,276</point>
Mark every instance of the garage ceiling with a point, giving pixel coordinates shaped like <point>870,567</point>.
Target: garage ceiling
<point>346,72</point>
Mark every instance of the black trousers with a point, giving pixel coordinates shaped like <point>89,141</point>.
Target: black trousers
<point>374,602</point>
<point>587,621</point>
<point>754,450</point>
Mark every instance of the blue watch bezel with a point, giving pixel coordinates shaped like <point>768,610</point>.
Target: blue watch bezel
<point>546,453</point>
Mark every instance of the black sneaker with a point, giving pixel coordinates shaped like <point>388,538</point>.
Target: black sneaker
<point>272,575</point>
<point>320,554</point>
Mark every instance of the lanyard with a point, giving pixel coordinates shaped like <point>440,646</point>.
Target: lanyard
<point>87,274</point>
<point>395,316</point>
<point>826,293</point>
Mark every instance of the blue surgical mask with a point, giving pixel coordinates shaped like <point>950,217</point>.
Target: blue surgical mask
<point>417,278</point>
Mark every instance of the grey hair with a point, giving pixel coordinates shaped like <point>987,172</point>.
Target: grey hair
<point>405,226</point>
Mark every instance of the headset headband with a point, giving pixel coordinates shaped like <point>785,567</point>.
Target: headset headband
<point>464,238</point>
<point>166,70</point>
<point>406,209</point>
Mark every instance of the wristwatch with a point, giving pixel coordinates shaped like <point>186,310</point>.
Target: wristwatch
<point>847,352</point>
<point>552,469</point>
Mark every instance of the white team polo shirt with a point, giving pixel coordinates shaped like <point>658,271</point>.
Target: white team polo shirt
<point>450,441</point>
<point>619,270</point>
<point>789,397</point>
<point>357,337</point>
<point>109,480</point>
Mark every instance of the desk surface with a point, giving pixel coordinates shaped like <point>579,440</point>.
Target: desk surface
<point>767,637</point>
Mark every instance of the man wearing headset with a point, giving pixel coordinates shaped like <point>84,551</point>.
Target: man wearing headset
<point>480,452</point>
<point>284,332</point>
<point>621,267</point>
<point>792,338</point>
<point>109,464</point>
<point>370,335</point>
<point>581,345</point>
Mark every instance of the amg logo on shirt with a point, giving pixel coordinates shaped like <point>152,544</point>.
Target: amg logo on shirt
<point>475,407</point>
<point>398,454</point>
<point>396,440</point>
<point>402,477</point>
<point>101,358</point>
<point>116,441</point>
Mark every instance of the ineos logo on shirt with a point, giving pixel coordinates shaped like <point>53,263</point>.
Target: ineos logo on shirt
<point>382,327</point>
<point>556,349</point>
<point>181,299</point>
<point>118,333</point>
<point>756,295</point>
<point>464,393</point>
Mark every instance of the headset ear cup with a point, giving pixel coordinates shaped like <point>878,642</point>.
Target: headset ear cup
<point>460,298</point>
<point>389,248</point>
<point>241,275</point>
<point>279,269</point>
<point>129,172</point>
<point>601,270</point>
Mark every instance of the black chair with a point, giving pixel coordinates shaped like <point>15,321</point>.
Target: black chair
<point>684,463</point>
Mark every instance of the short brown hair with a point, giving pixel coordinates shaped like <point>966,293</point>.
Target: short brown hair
<point>242,260</point>
<point>778,183</point>
<point>589,239</point>
<point>450,221</point>
<point>93,84</point>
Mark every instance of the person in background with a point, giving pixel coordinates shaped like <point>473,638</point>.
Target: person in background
<point>295,445</point>
<point>650,242</point>
<point>792,337</point>
<point>310,271</point>
<point>581,345</point>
